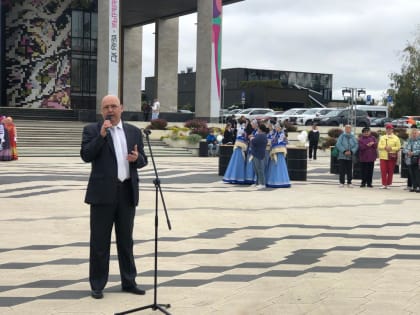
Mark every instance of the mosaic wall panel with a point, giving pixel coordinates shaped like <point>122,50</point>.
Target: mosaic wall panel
<point>38,50</point>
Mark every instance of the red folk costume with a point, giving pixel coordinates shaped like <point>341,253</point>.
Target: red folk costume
<point>11,130</point>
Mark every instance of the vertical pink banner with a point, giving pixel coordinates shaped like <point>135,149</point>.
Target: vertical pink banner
<point>216,53</point>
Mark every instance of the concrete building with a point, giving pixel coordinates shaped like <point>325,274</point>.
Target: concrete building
<point>246,87</point>
<point>68,54</point>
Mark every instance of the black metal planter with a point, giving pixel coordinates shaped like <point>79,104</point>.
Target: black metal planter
<point>225,152</point>
<point>297,163</point>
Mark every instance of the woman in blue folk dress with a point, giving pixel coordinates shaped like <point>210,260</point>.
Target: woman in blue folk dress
<point>250,176</point>
<point>278,175</point>
<point>235,171</point>
<point>270,136</point>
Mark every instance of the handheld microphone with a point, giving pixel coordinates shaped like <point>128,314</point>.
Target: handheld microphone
<point>108,117</point>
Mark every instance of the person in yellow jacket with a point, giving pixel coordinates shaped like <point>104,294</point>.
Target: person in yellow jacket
<point>388,147</point>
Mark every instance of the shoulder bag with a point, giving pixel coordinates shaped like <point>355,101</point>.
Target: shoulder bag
<point>391,155</point>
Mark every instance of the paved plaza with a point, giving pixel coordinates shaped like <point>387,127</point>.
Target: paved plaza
<point>312,249</point>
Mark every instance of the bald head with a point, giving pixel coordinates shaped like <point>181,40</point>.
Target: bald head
<point>111,108</point>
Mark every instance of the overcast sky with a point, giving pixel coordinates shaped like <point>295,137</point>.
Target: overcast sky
<point>358,41</point>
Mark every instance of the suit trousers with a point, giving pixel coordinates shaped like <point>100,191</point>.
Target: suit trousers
<point>102,218</point>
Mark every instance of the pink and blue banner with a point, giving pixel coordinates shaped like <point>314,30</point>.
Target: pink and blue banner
<point>216,57</point>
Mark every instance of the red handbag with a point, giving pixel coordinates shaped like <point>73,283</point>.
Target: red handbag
<point>391,155</point>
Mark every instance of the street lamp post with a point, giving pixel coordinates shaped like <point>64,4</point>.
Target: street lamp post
<point>350,93</point>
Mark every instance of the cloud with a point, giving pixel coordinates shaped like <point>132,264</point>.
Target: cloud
<point>357,41</point>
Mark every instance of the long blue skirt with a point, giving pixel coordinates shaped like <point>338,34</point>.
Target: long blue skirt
<point>278,175</point>
<point>235,172</point>
<point>250,176</point>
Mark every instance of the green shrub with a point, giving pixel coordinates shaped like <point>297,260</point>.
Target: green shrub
<point>401,133</point>
<point>157,124</point>
<point>375,134</point>
<point>328,142</point>
<point>196,123</point>
<point>290,127</point>
<point>203,132</point>
<point>198,127</point>
<point>178,129</point>
<point>335,132</point>
<point>193,138</point>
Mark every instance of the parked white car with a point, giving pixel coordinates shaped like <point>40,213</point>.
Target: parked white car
<point>307,118</point>
<point>285,116</point>
<point>252,113</point>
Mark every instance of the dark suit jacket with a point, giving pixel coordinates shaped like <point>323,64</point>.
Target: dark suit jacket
<point>103,180</point>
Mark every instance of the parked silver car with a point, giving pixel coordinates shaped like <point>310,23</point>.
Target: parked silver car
<point>285,116</point>
<point>252,113</point>
<point>307,118</point>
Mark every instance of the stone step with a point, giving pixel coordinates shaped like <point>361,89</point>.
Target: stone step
<point>75,151</point>
<point>62,138</point>
<point>40,113</point>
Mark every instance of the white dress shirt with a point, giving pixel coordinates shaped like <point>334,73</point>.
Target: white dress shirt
<point>121,152</point>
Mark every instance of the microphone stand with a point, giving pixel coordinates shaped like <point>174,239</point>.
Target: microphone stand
<point>158,190</point>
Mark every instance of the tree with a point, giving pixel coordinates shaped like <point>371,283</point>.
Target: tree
<point>406,85</point>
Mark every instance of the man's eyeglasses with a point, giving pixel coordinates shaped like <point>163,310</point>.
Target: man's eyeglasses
<point>108,107</point>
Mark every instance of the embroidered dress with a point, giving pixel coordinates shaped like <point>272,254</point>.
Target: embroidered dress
<point>270,136</point>
<point>5,149</point>
<point>250,176</point>
<point>235,171</point>
<point>10,128</point>
<point>278,175</point>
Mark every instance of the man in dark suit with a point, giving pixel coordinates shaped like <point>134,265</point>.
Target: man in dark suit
<point>115,151</point>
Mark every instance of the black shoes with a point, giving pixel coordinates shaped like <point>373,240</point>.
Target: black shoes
<point>134,290</point>
<point>363,185</point>
<point>97,294</point>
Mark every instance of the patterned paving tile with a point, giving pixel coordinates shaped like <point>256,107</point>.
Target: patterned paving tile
<point>268,248</point>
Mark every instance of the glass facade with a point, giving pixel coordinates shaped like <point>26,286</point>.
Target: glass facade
<point>84,49</point>
<point>2,61</point>
<point>320,82</point>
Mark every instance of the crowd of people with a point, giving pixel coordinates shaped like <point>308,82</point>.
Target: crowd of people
<point>259,151</point>
<point>248,164</point>
<point>8,139</point>
<point>367,149</point>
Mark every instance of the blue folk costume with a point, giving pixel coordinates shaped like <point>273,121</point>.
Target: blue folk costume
<point>278,175</point>
<point>250,176</point>
<point>235,171</point>
<point>270,137</point>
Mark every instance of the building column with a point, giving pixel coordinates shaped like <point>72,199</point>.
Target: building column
<point>166,63</point>
<point>108,62</point>
<point>208,80</point>
<point>132,65</point>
